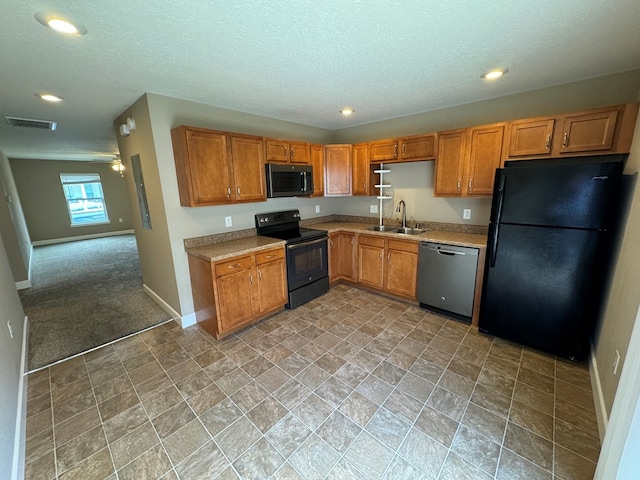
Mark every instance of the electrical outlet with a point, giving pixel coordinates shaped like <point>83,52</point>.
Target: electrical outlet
<point>373,208</point>
<point>616,361</point>
<point>466,214</point>
<point>120,220</point>
<point>227,221</point>
<point>10,329</point>
<point>317,208</point>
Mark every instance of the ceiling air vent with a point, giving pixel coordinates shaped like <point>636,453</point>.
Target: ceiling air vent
<point>30,123</point>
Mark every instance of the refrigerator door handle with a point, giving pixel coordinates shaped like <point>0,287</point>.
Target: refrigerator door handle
<point>493,244</point>
<point>500,199</point>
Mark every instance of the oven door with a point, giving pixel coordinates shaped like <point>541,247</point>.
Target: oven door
<point>306,262</point>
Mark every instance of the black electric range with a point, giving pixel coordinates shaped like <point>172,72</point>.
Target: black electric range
<point>306,254</point>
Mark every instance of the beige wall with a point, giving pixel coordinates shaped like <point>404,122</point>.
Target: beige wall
<point>13,228</point>
<point>10,362</point>
<point>624,296</point>
<point>44,205</point>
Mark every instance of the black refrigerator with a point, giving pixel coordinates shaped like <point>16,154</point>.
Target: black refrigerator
<point>549,251</point>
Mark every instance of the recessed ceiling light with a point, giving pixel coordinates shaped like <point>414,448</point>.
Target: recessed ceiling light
<point>347,111</point>
<point>495,73</point>
<point>49,98</point>
<point>60,24</point>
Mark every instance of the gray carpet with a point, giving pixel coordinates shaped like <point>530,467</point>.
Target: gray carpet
<point>85,294</point>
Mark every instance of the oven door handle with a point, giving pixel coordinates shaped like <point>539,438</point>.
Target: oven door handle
<point>306,244</point>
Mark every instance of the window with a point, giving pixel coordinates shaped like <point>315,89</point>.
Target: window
<point>85,199</point>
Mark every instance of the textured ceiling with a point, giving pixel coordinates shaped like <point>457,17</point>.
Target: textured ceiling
<point>296,60</point>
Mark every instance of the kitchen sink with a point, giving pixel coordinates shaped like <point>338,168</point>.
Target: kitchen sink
<point>383,228</point>
<point>409,231</point>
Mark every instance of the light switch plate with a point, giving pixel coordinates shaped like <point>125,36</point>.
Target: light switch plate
<point>466,214</point>
<point>227,221</point>
<point>373,208</point>
<point>317,208</point>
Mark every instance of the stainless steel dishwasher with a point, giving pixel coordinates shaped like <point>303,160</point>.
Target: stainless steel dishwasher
<point>447,278</point>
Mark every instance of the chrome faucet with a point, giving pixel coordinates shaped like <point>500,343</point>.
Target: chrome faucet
<point>404,212</point>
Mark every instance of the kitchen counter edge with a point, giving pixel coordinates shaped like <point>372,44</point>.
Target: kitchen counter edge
<point>215,252</point>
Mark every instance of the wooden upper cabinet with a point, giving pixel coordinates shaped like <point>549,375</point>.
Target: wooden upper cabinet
<point>530,137</point>
<point>485,155</point>
<point>384,151</point>
<point>285,151</point>
<point>588,132</point>
<point>591,132</point>
<point>360,172</point>
<point>337,170</point>
<point>215,168</point>
<point>203,166</point>
<point>450,163</point>
<point>418,147</point>
<point>248,168</point>
<point>317,162</point>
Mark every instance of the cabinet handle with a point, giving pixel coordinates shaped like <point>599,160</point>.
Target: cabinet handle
<point>292,152</point>
<point>380,255</point>
<point>234,266</point>
<point>404,149</point>
<point>228,191</point>
<point>331,242</point>
<point>388,256</point>
<point>260,274</point>
<point>238,190</point>
<point>565,140</point>
<point>470,183</point>
<point>365,186</point>
<point>352,242</point>
<point>458,185</point>
<point>270,256</point>
<point>251,279</point>
<point>395,151</point>
<point>548,143</point>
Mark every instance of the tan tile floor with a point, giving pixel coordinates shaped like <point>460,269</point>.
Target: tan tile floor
<point>350,386</point>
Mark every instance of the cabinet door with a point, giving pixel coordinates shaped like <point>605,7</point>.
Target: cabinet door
<point>587,132</point>
<point>360,180</point>
<point>299,153</point>
<point>272,285</point>
<point>276,151</point>
<point>203,166</point>
<point>236,301</point>
<point>418,148</point>
<point>484,157</point>
<point>347,248</point>
<point>334,257</point>
<point>248,168</point>
<point>530,137</point>
<point>317,162</point>
<point>402,269</point>
<point>450,163</point>
<point>370,261</point>
<point>337,170</point>
<point>384,150</point>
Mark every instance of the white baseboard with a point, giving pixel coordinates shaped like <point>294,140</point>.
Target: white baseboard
<point>158,299</point>
<point>17,469</point>
<point>23,284</point>
<point>51,241</point>
<point>598,396</point>
<point>188,320</point>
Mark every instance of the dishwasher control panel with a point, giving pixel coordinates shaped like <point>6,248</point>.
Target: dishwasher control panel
<point>447,278</point>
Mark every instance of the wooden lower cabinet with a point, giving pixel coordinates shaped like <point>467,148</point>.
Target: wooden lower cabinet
<point>387,264</point>
<point>233,293</point>
<point>342,256</point>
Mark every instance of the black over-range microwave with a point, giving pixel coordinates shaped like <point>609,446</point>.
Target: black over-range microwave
<point>289,180</point>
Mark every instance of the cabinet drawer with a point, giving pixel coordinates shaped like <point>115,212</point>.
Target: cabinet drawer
<point>411,247</point>
<point>269,256</point>
<point>231,266</point>
<point>373,241</point>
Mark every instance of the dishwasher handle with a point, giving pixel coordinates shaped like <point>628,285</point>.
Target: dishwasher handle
<point>442,250</point>
<point>449,252</point>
